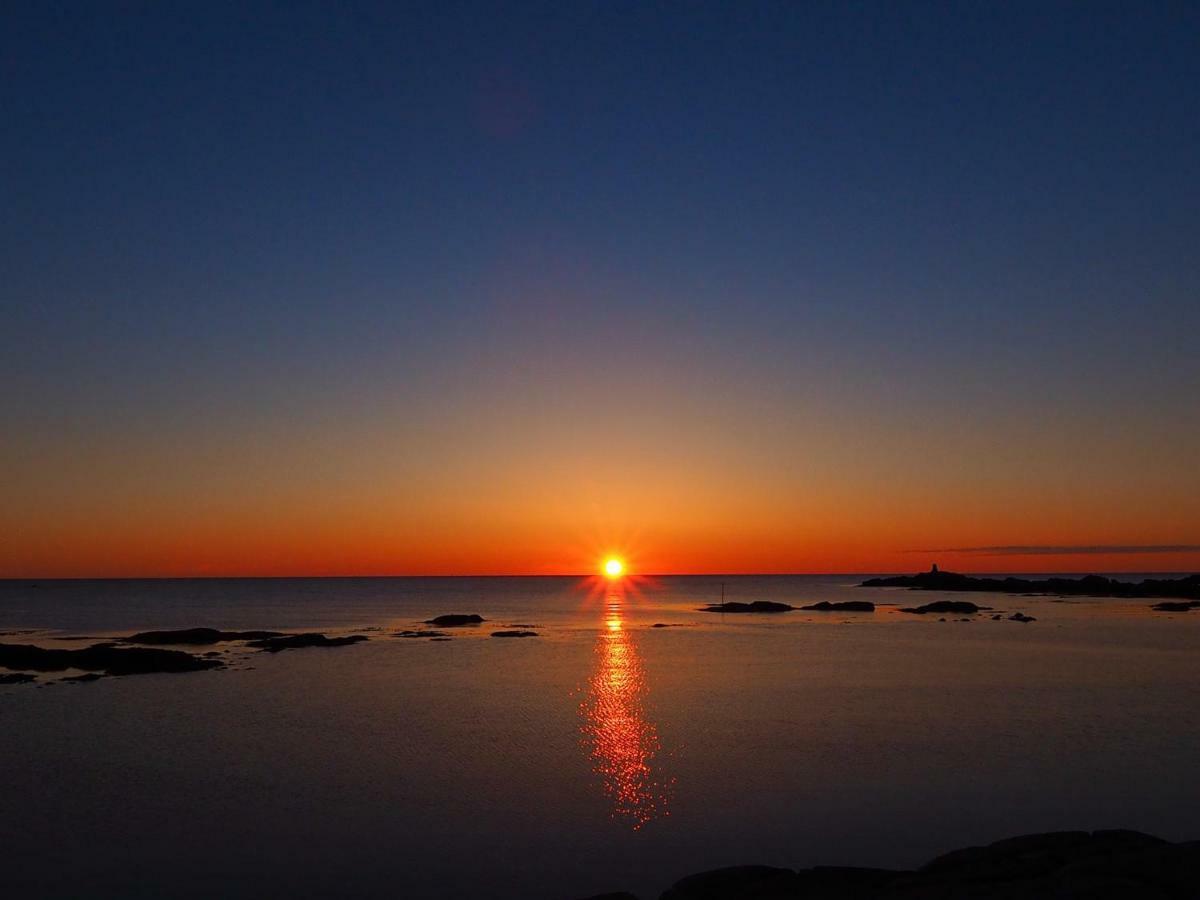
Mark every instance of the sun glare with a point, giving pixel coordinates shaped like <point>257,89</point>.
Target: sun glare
<point>613,567</point>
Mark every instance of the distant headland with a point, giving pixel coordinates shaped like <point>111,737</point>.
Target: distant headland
<point>1087,586</point>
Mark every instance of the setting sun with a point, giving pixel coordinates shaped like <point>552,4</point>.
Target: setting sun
<point>613,567</point>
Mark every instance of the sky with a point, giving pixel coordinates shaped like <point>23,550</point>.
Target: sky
<point>441,288</point>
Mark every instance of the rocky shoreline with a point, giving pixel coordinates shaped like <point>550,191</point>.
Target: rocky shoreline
<point>1065,865</point>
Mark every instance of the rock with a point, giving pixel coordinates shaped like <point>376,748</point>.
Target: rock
<point>198,636</point>
<point>102,658</point>
<point>1102,865</point>
<point>83,679</point>
<point>958,607</point>
<point>1021,617</point>
<point>514,634</point>
<point>617,895</point>
<point>420,634</point>
<point>1167,606</point>
<point>455,620</point>
<point>296,641</point>
<point>441,639</point>
<point>758,606</point>
<point>997,617</point>
<point>520,625</point>
<point>17,678</point>
<point>843,606</point>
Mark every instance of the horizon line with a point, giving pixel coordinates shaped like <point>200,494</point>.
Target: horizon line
<point>584,575</point>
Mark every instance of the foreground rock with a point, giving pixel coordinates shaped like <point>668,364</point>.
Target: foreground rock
<point>1056,866</point>
<point>455,620</point>
<point>198,636</point>
<point>1088,586</point>
<point>17,678</point>
<point>514,634</point>
<point>107,658</point>
<point>297,641</point>
<point>958,607</point>
<point>1177,606</point>
<point>758,606</point>
<point>1021,617</point>
<point>845,606</point>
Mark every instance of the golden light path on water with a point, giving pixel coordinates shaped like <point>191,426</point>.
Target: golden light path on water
<point>624,746</point>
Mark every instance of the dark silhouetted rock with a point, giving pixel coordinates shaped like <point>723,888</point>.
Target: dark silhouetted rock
<point>844,606</point>
<point>1088,586</point>
<point>455,620</point>
<point>297,641</point>
<point>1168,606</point>
<point>525,625</point>
<point>619,895</point>
<point>1102,865</point>
<point>1021,617</point>
<point>441,639</point>
<point>758,606</point>
<point>420,634</point>
<point>84,678</point>
<point>17,678</point>
<point>514,634</point>
<point>102,658</point>
<point>198,636</point>
<point>957,607</point>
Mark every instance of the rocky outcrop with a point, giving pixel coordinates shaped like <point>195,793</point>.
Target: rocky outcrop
<point>198,636</point>
<point>1176,606</point>
<point>956,607</point>
<point>108,658</point>
<point>845,606</point>
<point>297,641</point>
<point>17,678</point>
<point>454,620</point>
<point>1056,866</point>
<point>514,634</point>
<point>758,606</point>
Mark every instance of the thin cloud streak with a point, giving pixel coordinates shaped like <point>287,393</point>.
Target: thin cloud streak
<point>1066,549</point>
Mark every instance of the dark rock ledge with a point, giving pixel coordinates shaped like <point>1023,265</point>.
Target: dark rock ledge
<point>1067,865</point>
<point>198,636</point>
<point>296,641</point>
<point>454,620</point>
<point>514,634</point>
<point>108,658</point>
<point>758,606</point>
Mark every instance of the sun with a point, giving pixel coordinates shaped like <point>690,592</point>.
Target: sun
<point>613,567</point>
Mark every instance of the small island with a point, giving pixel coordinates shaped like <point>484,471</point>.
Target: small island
<point>1187,587</point>
<point>758,606</point>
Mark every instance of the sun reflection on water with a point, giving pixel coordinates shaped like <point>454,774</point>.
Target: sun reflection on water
<point>622,743</point>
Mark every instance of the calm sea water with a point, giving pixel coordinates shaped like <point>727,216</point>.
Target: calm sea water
<point>604,754</point>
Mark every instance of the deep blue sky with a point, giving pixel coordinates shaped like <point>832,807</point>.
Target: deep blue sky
<point>872,233</point>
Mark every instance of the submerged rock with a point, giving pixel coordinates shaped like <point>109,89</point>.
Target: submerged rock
<point>758,606</point>
<point>198,636</point>
<point>83,679</point>
<point>1171,606</point>
<point>958,607</point>
<point>514,634</point>
<point>17,678</point>
<point>1021,617</point>
<point>454,620</point>
<point>844,606</point>
<point>421,634</point>
<point>296,641</point>
<point>102,658</point>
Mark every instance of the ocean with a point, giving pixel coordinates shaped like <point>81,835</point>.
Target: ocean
<point>603,754</point>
